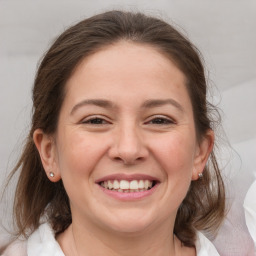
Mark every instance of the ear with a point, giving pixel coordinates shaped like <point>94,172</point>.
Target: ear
<point>202,153</point>
<point>47,150</point>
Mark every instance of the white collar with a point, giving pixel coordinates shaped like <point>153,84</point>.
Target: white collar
<point>204,247</point>
<point>43,243</point>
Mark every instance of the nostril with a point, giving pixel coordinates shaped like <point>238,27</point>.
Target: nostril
<point>129,161</point>
<point>118,159</point>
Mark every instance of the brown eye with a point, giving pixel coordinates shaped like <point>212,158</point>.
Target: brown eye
<point>161,121</point>
<point>95,121</point>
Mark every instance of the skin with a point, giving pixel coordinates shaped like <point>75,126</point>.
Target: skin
<point>128,137</point>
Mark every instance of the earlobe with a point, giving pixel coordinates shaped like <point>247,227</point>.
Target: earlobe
<point>46,148</point>
<point>204,150</point>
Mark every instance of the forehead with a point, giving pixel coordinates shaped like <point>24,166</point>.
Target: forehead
<point>127,70</point>
<point>126,58</point>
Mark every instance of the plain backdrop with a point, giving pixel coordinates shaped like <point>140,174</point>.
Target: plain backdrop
<point>224,31</point>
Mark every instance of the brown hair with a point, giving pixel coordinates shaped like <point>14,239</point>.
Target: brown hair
<point>36,196</point>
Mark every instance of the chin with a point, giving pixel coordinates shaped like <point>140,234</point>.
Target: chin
<point>131,222</point>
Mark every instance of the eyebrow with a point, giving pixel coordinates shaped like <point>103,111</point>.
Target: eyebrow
<point>159,102</point>
<point>110,105</point>
<point>96,102</point>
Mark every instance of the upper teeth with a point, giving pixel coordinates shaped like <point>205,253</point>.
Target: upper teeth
<point>125,184</point>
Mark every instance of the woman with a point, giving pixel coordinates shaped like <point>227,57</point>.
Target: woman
<point>115,162</point>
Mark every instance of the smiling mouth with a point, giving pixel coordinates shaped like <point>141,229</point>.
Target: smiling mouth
<point>125,186</point>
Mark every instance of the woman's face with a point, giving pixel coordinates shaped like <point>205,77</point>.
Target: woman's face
<point>126,124</point>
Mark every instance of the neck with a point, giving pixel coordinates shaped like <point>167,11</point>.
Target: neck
<point>84,240</point>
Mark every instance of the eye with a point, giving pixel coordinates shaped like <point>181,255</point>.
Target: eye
<point>95,121</point>
<point>160,120</point>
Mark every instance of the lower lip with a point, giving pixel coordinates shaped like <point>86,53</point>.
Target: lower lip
<point>130,196</point>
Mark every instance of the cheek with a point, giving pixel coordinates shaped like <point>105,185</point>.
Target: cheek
<point>78,153</point>
<point>176,153</point>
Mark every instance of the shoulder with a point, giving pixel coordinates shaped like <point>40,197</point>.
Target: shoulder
<point>250,211</point>
<point>40,243</point>
<point>18,247</point>
<point>43,242</point>
<point>204,246</point>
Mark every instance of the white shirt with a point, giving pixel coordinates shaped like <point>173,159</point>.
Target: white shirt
<point>42,243</point>
<point>250,212</point>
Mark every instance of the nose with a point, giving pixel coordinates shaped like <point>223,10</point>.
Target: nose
<point>128,145</point>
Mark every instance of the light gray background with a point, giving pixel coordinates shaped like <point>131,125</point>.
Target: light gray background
<point>224,31</point>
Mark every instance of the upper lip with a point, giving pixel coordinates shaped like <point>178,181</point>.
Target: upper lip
<point>129,177</point>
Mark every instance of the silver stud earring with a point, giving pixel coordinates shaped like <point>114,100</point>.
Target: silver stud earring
<point>51,174</point>
<point>200,175</point>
